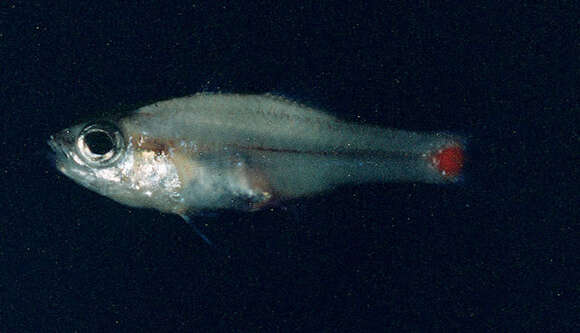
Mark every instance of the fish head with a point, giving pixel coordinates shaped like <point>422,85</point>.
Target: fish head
<point>105,156</point>
<point>92,155</point>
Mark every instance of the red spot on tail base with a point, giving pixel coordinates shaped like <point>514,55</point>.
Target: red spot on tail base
<point>449,161</point>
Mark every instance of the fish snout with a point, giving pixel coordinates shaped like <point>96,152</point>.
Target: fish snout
<point>61,143</point>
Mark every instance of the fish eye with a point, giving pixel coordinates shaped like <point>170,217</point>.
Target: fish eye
<point>100,144</point>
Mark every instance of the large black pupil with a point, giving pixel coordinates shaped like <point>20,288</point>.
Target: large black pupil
<point>99,143</point>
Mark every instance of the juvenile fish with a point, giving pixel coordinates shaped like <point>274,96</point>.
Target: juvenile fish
<point>222,151</point>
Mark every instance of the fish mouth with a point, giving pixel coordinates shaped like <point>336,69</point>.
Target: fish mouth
<point>60,157</point>
<point>64,161</point>
<point>59,153</point>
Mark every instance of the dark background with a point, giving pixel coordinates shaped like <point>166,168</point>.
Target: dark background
<point>498,252</point>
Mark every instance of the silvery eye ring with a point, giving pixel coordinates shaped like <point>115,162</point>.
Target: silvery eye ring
<point>100,144</point>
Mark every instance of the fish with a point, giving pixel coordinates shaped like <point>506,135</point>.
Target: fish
<point>214,151</point>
